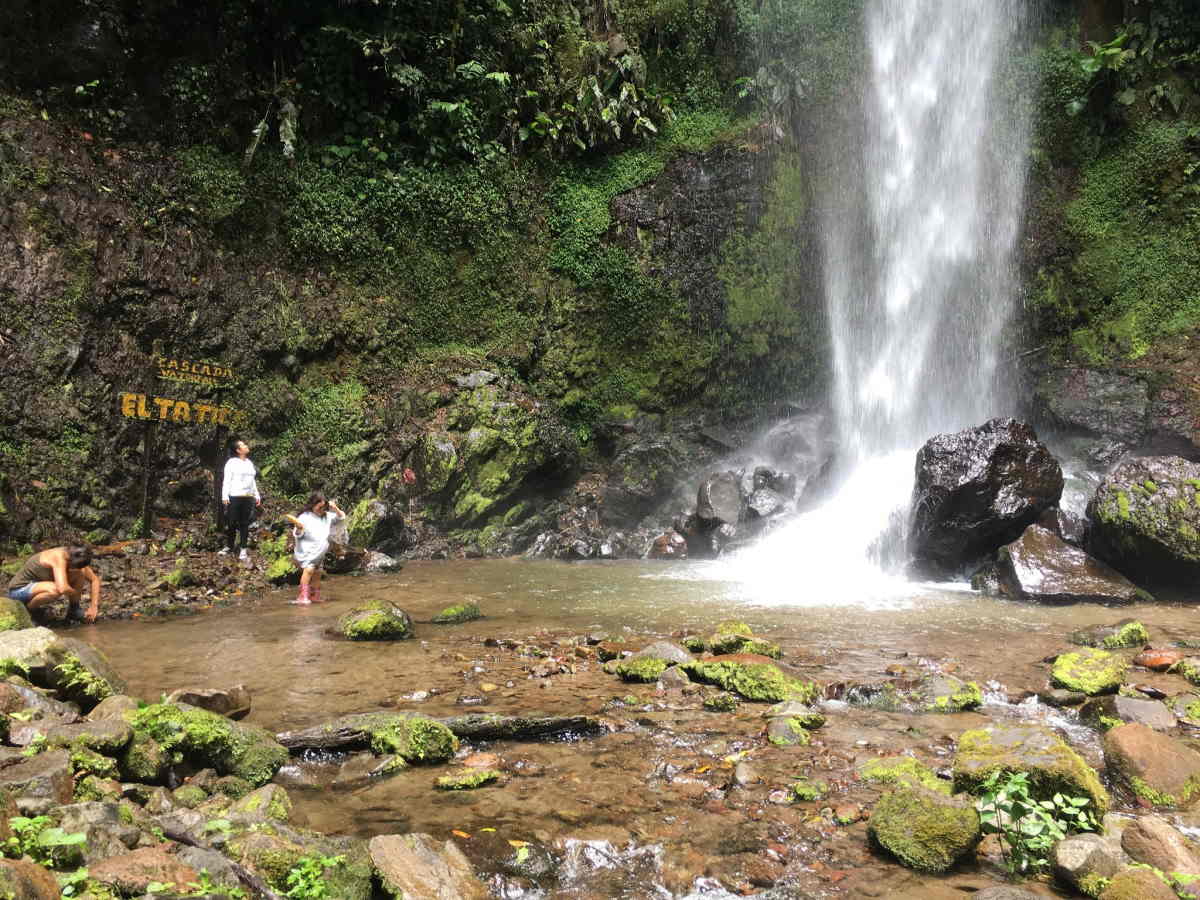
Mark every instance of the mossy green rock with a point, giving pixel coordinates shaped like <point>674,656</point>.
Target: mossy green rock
<point>804,714</point>
<point>902,770</point>
<point>1089,671</point>
<point>752,680</point>
<point>947,694</point>
<point>1052,766</point>
<point>457,614</point>
<point>925,830</point>
<point>13,614</point>
<point>806,791</point>
<point>786,731</point>
<point>376,621</point>
<point>466,780</point>
<point>270,801</point>
<point>1149,534</point>
<point>1126,633</point>
<point>414,739</point>
<point>208,740</point>
<point>189,796</point>
<point>722,702</point>
<point>645,670</point>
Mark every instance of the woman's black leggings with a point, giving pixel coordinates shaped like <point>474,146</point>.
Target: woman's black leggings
<point>237,519</point>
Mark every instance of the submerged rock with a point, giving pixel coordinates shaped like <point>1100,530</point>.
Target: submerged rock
<point>1146,520</point>
<point>902,770</point>
<point>457,614</point>
<point>232,702</point>
<point>925,830</point>
<point>977,489</point>
<point>1040,567</point>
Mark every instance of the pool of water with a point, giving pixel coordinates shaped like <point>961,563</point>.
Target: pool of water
<point>661,776</point>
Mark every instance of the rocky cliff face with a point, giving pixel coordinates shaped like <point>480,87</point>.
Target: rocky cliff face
<point>125,273</point>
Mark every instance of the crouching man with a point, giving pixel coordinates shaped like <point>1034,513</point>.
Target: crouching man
<point>59,572</point>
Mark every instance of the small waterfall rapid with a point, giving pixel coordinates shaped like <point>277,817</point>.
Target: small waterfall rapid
<point>918,224</point>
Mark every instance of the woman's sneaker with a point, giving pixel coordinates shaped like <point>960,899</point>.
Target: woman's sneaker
<point>244,556</point>
<point>224,551</point>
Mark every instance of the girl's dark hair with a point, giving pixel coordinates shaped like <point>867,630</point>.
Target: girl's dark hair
<point>313,499</point>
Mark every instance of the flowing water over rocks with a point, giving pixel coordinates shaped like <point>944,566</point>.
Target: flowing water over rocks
<point>671,798</point>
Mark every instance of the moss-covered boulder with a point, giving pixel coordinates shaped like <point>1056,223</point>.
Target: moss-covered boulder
<point>734,637</point>
<point>925,830</point>
<point>722,702</point>
<point>644,670</point>
<point>1146,520</point>
<point>378,620</point>
<point>373,523</point>
<point>13,615</point>
<point>457,614</point>
<point>893,770</point>
<point>207,740</point>
<point>752,679</point>
<point>1052,766</point>
<point>807,791</point>
<point>1126,633</point>
<point>1089,671</point>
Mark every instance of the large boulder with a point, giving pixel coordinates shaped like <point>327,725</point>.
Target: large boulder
<point>1040,567</point>
<point>1146,520</point>
<point>719,499</point>
<point>375,524</point>
<point>1104,404</point>
<point>925,830</point>
<point>24,880</point>
<point>1112,710</point>
<point>1051,764</point>
<point>977,489</point>
<point>1083,860</point>
<point>1160,770</point>
<point>73,669</point>
<point>1153,841</point>
<point>39,783</point>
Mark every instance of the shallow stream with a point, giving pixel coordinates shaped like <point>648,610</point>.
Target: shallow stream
<point>677,814</point>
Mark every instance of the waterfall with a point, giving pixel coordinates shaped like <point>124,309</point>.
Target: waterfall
<point>919,281</point>
<point>918,225</point>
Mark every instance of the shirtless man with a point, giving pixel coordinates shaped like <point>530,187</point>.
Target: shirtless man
<point>58,572</point>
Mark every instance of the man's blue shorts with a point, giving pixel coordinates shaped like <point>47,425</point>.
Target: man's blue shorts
<point>24,593</point>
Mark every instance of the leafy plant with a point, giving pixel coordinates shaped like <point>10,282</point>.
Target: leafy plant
<point>72,884</point>
<point>1028,827</point>
<point>306,878</point>
<point>42,841</point>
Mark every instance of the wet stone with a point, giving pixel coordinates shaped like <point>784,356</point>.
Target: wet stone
<point>1104,712</point>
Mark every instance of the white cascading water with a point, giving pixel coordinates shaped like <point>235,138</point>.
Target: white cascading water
<point>919,282</point>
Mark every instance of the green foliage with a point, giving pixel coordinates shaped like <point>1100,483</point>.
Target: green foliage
<point>43,842</point>
<point>306,879</point>
<point>1028,827</point>
<point>214,185</point>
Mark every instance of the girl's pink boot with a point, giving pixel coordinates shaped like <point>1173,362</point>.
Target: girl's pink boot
<point>303,599</point>
<point>315,595</point>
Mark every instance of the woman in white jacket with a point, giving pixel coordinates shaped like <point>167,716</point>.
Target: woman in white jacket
<point>239,493</point>
<point>311,532</point>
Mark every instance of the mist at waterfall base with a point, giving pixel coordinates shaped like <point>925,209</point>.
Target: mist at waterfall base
<point>919,228</point>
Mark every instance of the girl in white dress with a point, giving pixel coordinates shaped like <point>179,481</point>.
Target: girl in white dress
<point>311,532</point>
